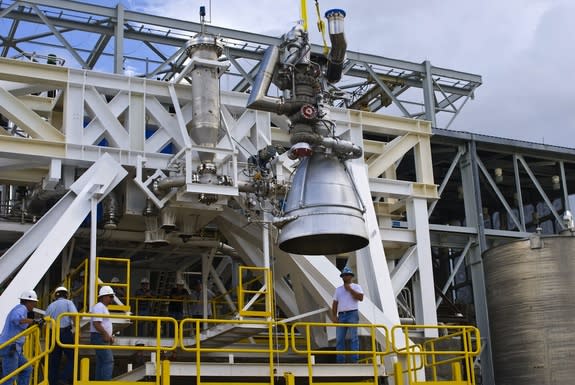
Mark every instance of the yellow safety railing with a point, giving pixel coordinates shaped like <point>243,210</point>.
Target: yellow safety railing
<point>81,377</point>
<point>442,363</point>
<point>36,350</point>
<point>261,276</point>
<point>122,288</point>
<point>76,282</point>
<point>372,354</point>
<point>270,329</point>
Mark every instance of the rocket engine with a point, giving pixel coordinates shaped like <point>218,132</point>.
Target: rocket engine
<point>323,213</point>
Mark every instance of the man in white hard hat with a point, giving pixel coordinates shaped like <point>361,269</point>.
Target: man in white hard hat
<point>16,322</point>
<point>101,333</point>
<point>144,306</point>
<point>345,310</point>
<point>178,295</point>
<point>61,305</point>
<point>119,291</point>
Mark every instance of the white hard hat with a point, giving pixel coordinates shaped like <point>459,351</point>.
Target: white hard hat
<point>180,282</point>
<point>59,289</point>
<point>29,295</point>
<point>115,280</point>
<point>105,290</point>
<point>144,280</point>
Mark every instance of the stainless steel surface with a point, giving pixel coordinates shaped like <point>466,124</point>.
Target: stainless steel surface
<point>329,215</point>
<point>258,97</point>
<point>205,93</point>
<point>531,310</point>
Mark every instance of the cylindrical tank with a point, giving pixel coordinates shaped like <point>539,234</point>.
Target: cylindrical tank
<point>205,92</point>
<point>530,296</point>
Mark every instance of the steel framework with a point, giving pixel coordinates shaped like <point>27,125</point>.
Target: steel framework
<point>425,255</point>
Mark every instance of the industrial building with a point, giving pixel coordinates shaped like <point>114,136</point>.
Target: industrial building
<point>227,156</point>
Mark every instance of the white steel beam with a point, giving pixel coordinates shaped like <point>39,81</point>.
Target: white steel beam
<point>404,270</point>
<point>26,119</point>
<point>392,153</point>
<point>50,239</point>
<point>423,286</point>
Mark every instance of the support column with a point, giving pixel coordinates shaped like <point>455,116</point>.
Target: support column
<point>119,40</point>
<point>423,286</point>
<point>474,218</point>
<point>428,94</point>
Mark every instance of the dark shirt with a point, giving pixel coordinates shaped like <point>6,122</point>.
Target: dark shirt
<point>177,306</point>
<point>143,305</point>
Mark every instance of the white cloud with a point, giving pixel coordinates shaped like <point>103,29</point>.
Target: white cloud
<point>522,48</point>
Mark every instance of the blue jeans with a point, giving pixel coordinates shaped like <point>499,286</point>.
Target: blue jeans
<point>178,315</point>
<point>143,326</point>
<point>104,359</point>
<point>350,317</point>
<point>12,359</point>
<point>54,373</point>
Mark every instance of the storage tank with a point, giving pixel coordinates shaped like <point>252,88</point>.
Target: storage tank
<point>531,300</point>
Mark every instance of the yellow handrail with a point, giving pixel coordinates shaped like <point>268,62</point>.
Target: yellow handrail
<point>77,345</point>
<point>375,355</point>
<point>434,358</point>
<point>117,286</point>
<point>266,290</point>
<point>35,353</point>
<point>274,346</point>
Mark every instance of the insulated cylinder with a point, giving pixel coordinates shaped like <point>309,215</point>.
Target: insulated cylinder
<point>205,92</point>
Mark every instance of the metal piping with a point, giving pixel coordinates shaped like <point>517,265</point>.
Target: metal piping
<point>336,55</point>
<point>37,202</point>
<point>258,99</point>
<point>343,148</point>
<point>164,184</point>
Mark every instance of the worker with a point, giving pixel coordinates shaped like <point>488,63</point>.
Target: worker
<point>16,322</point>
<point>118,290</point>
<point>101,333</point>
<point>61,305</point>
<point>140,356</point>
<point>178,295</point>
<point>144,306</point>
<point>345,311</point>
<point>197,294</point>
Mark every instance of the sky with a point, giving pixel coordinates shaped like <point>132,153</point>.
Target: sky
<point>523,49</point>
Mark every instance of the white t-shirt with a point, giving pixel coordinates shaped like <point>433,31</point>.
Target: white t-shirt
<point>100,308</point>
<point>345,301</point>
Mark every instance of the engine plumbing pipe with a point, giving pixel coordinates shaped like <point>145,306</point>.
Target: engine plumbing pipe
<point>336,55</point>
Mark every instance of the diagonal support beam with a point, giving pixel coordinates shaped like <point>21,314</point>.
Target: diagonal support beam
<point>59,36</point>
<point>387,90</point>
<point>391,153</point>
<point>404,270</point>
<point>26,119</point>
<point>499,194</point>
<point>458,263</point>
<point>541,191</point>
<point>454,163</point>
<point>50,238</point>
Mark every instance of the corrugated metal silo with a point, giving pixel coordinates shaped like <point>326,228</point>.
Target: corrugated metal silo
<point>531,302</point>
